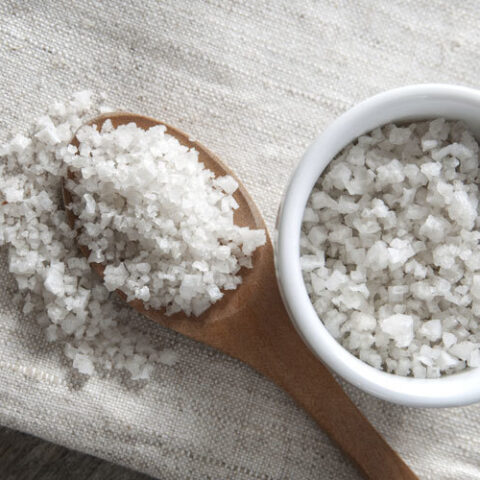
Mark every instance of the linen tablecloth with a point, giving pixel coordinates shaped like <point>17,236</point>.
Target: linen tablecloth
<point>255,81</point>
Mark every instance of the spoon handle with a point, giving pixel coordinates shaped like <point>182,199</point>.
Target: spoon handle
<point>262,336</point>
<point>295,369</point>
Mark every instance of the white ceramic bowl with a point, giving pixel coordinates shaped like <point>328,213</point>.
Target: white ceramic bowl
<point>417,102</point>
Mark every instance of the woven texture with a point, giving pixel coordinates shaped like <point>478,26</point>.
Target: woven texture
<point>255,81</point>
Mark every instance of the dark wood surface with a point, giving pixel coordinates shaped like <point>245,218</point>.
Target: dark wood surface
<point>23,457</point>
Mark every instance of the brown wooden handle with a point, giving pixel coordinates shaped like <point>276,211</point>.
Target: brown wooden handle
<point>262,336</point>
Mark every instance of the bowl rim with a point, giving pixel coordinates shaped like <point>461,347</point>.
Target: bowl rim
<point>451,390</point>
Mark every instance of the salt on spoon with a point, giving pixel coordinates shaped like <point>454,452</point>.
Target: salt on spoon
<point>252,325</point>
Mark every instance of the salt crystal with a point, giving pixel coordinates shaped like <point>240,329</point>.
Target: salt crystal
<point>475,287</point>
<point>336,280</point>
<point>83,364</point>
<point>463,349</point>
<point>115,277</point>
<point>474,358</point>
<point>396,293</point>
<point>317,235</point>
<point>429,144</point>
<point>54,279</point>
<point>462,210</point>
<point>455,149</point>
<point>310,216</point>
<point>362,321</point>
<point>312,262</point>
<point>431,329</point>
<point>446,361</point>
<point>399,136</point>
<point>431,169</point>
<point>227,183</point>
<point>419,371</point>
<point>322,200</point>
<point>390,173</point>
<point>168,357</point>
<point>434,228</point>
<point>400,328</point>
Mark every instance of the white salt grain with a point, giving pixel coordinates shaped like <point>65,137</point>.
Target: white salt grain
<point>431,329</point>
<point>168,357</point>
<point>115,277</point>
<point>463,350</point>
<point>474,358</point>
<point>83,364</point>
<point>400,328</point>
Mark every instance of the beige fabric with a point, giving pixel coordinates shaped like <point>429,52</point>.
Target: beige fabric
<point>255,82</point>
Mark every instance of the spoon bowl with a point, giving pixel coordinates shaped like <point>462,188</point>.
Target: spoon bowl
<point>246,215</point>
<point>252,325</point>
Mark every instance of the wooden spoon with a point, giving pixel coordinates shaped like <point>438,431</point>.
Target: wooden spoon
<point>252,325</point>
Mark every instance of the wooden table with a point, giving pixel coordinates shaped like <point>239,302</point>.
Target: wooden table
<point>23,457</point>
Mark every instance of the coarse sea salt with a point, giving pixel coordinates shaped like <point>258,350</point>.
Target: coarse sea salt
<point>389,248</point>
<point>56,284</point>
<point>160,221</point>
